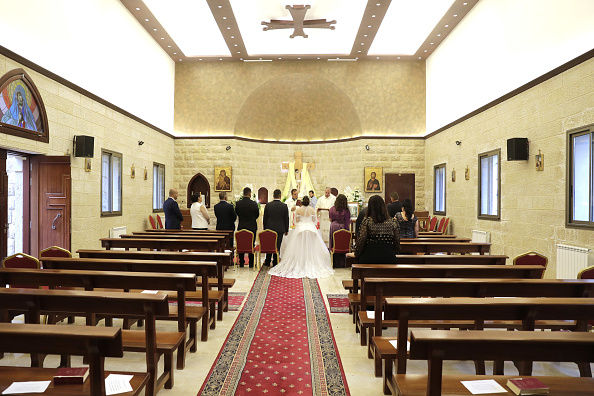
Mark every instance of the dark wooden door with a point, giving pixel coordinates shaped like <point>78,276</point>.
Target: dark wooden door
<point>403,184</point>
<point>50,202</point>
<point>3,204</point>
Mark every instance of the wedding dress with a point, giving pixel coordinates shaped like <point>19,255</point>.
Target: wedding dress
<point>303,251</point>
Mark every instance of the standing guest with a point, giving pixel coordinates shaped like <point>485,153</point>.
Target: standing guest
<point>322,207</point>
<point>247,211</point>
<point>340,218</point>
<point>200,217</point>
<point>360,218</point>
<point>225,214</point>
<point>173,216</point>
<point>291,203</point>
<point>379,237</point>
<point>407,221</point>
<point>395,206</point>
<point>276,218</point>
<point>312,199</point>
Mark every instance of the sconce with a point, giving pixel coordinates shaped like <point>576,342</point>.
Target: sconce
<point>458,142</point>
<point>140,142</point>
<point>228,148</point>
<point>367,147</point>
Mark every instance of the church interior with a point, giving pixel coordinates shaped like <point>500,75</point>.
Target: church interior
<point>168,94</point>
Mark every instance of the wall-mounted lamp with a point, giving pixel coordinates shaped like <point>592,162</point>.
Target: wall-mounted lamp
<point>140,142</point>
<point>367,147</point>
<point>458,142</point>
<point>228,148</point>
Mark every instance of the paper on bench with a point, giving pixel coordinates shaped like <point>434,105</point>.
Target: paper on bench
<point>395,344</point>
<point>371,315</point>
<point>27,387</point>
<point>481,387</point>
<point>118,383</point>
<point>150,291</point>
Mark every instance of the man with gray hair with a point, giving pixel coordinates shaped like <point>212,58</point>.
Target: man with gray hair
<point>325,202</point>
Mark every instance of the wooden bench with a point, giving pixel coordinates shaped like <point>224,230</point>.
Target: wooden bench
<point>208,245</point>
<point>182,284</point>
<point>202,233</point>
<point>223,260</point>
<point>435,259</point>
<point>445,247</point>
<point>201,269</point>
<point>435,346</point>
<point>223,240</point>
<point>39,301</point>
<point>96,343</point>
<point>435,239</point>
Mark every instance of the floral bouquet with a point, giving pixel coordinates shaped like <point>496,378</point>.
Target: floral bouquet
<point>355,195</point>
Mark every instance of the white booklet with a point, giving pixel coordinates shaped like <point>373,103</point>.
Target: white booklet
<point>481,387</point>
<point>27,387</point>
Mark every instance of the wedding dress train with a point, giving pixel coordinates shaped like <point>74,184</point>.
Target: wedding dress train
<point>303,251</point>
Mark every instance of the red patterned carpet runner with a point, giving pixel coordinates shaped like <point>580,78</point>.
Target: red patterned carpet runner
<point>281,344</point>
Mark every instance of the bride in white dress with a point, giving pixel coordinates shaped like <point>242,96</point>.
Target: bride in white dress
<point>304,254</point>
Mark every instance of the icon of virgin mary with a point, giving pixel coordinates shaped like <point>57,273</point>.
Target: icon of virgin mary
<point>19,113</point>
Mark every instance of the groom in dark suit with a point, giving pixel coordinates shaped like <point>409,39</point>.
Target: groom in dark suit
<point>247,211</point>
<point>276,218</point>
<point>225,214</point>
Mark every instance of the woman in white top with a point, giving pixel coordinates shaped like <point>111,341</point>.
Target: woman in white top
<point>303,251</point>
<point>200,218</point>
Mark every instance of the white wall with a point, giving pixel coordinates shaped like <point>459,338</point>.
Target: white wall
<point>498,47</point>
<point>97,45</point>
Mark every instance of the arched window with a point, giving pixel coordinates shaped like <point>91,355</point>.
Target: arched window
<point>199,184</point>
<point>263,195</point>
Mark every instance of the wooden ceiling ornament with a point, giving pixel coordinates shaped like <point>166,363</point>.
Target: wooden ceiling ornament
<point>298,23</point>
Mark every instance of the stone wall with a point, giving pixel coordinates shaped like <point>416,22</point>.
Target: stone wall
<point>532,202</point>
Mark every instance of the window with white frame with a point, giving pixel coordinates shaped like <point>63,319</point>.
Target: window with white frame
<point>439,193</point>
<point>111,183</point>
<point>580,186</point>
<point>158,186</point>
<point>489,205</point>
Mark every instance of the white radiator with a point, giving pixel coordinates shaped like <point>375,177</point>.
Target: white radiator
<point>481,236</point>
<point>115,232</point>
<point>571,260</point>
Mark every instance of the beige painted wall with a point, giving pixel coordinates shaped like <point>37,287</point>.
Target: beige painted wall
<point>70,113</point>
<point>259,163</point>
<point>532,203</point>
<point>300,100</point>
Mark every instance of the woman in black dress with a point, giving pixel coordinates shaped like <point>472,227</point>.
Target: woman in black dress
<point>379,236</point>
<point>407,221</point>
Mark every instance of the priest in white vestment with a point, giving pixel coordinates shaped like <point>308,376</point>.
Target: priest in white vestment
<point>292,205</point>
<point>323,206</point>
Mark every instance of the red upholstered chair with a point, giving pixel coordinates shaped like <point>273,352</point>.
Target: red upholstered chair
<point>244,243</point>
<point>531,258</point>
<point>152,222</point>
<point>446,223</point>
<point>342,243</point>
<point>439,228</point>
<point>160,223</point>
<point>55,251</point>
<point>586,273</point>
<point>432,223</point>
<point>267,245</point>
<point>21,260</point>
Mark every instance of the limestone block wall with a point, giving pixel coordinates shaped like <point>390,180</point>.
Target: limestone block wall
<point>532,202</point>
<point>69,114</point>
<point>338,164</point>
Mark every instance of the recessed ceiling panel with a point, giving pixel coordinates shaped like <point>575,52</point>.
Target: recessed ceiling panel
<point>191,25</point>
<point>250,14</point>
<point>406,26</point>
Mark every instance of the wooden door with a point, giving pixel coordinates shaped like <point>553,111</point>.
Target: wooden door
<point>50,202</point>
<point>3,204</point>
<point>403,184</point>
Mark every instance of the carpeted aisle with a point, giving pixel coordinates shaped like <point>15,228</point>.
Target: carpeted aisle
<point>281,343</point>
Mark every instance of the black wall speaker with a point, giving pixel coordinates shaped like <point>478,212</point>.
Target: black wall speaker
<point>517,149</point>
<point>83,146</point>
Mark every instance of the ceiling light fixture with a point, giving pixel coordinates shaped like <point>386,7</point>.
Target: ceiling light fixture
<point>137,9</point>
<point>146,20</point>
<point>299,22</point>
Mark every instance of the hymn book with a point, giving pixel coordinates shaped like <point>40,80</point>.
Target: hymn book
<point>71,375</point>
<point>527,386</point>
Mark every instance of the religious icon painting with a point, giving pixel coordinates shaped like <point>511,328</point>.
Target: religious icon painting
<point>222,175</point>
<point>453,175</point>
<point>539,159</point>
<point>133,172</point>
<point>373,179</point>
<point>21,109</point>
<point>145,173</point>
<point>87,164</point>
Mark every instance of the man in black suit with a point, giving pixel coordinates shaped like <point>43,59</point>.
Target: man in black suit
<point>395,206</point>
<point>247,211</point>
<point>225,214</point>
<point>173,216</point>
<point>276,218</point>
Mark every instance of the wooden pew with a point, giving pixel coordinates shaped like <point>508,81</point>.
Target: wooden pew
<point>435,346</point>
<point>208,245</point>
<point>435,239</point>
<point>223,240</point>
<point>96,343</point>
<point>223,260</point>
<point>435,234</point>
<point>201,269</point>
<point>227,233</point>
<point>445,247</point>
<point>435,259</point>
<point>37,301</point>
<point>182,284</point>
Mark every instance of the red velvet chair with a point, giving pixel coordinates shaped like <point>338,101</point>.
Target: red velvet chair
<point>152,222</point>
<point>160,223</point>
<point>432,223</point>
<point>244,243</point>
<point>586,273</point>
<point>55,251</point>
<point>531,258</point>
<point>446,223</point>
<point>267,245</point>
<point>20,260</point>
<point>341,244</point>
<point>440,226</point>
